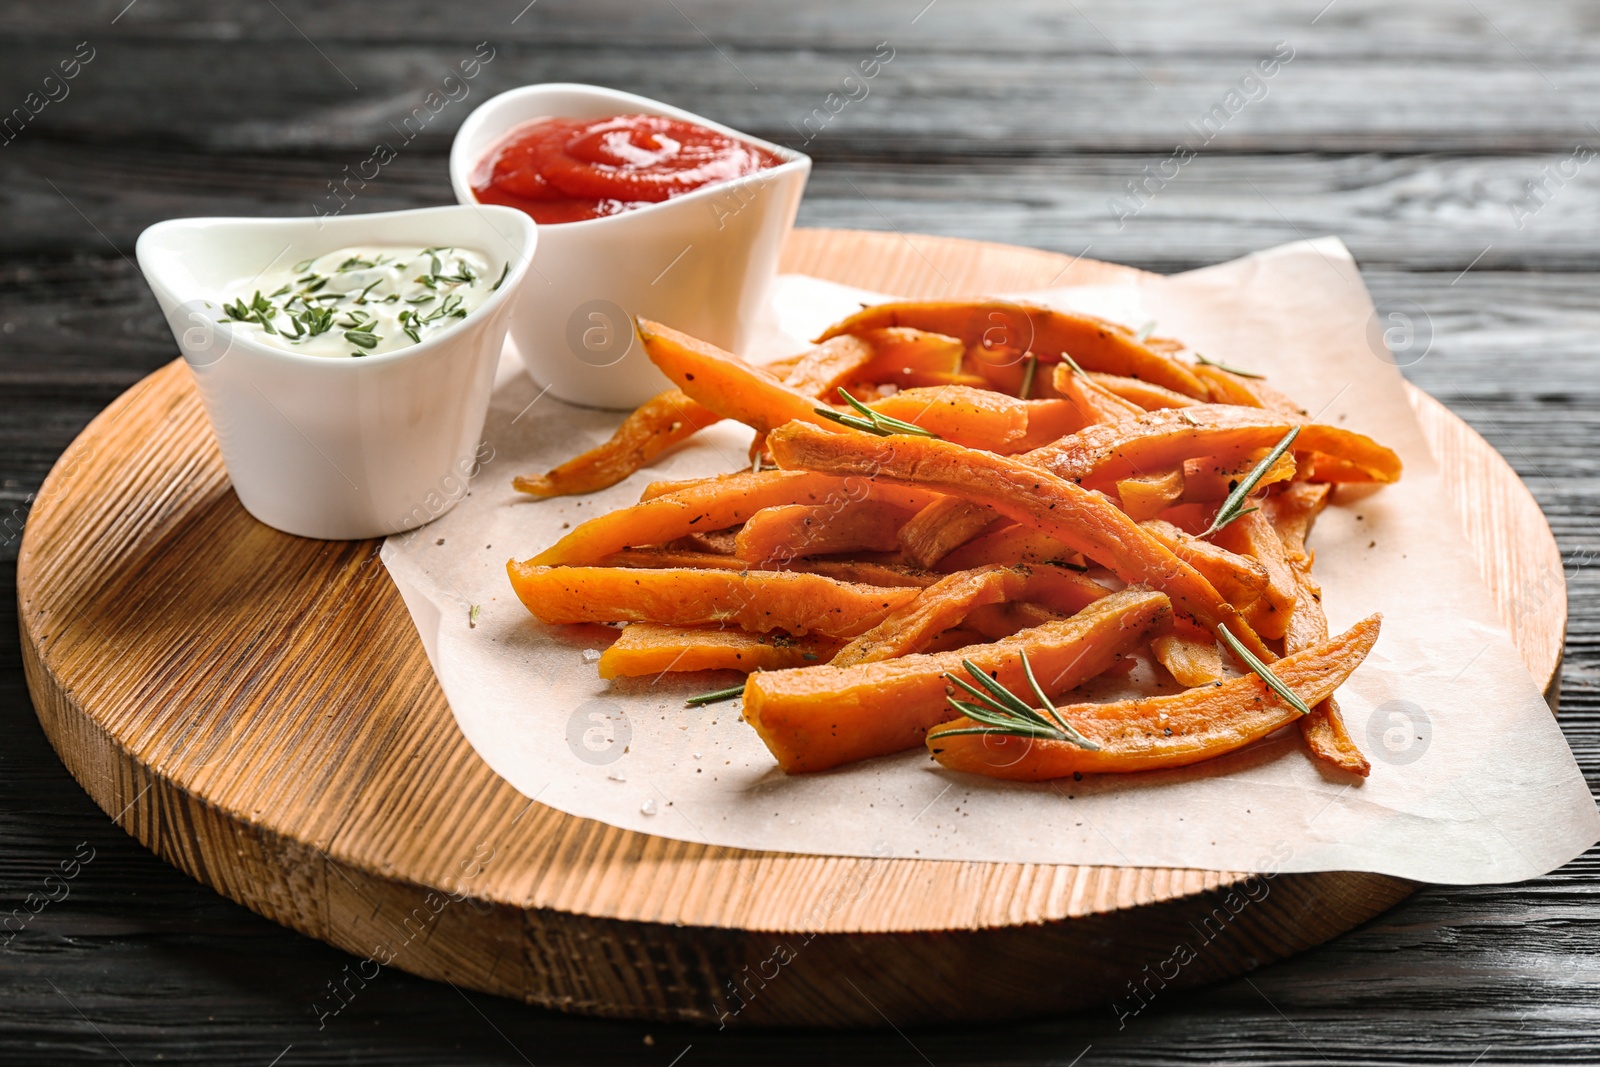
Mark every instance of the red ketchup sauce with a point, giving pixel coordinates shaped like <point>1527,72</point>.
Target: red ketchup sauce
<point>568,170</point>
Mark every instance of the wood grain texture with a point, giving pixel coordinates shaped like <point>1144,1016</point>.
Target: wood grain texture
<point>257,709</point>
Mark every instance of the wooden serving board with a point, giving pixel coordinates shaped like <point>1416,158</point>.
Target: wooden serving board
<point>257,709</point>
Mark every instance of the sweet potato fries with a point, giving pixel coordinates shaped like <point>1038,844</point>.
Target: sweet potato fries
<point>959,512</point>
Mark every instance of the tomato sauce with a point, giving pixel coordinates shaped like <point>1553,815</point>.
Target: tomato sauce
<point>568,170</point>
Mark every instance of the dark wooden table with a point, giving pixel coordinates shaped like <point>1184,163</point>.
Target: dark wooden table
<point>1409,129</point>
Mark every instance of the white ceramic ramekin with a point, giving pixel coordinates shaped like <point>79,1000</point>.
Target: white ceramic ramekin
<point>338,448</point>
<point>702,262</point>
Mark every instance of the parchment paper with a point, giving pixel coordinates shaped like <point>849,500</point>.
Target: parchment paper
<point>1472,780</point>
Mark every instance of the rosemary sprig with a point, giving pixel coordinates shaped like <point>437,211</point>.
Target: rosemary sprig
<point>1233,507</point>
<point>716,696</point>
<point>1262,671</point>
<point>1030,367</point>
<point>1001,712</point>
<point>884,422</point>
<point>1231,370</point>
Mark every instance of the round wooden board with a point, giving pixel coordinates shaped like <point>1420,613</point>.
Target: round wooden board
<point>257,709</point>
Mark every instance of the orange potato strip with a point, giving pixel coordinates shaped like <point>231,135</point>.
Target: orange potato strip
<point>947,602</point>
<point>1048,421</point>
<point>1189,654</point>
<point>864,572</point>
<point>1251,535</point>
<point>1143,394</point>
<point>774,535</point>
<point>659,423</point>
<point>1166,731</point>
<point>995,324</point>
<point>936,609</point>
<point>906,357</point>
<point>1010,544</point>
<point>1212,478</point>
<point>829,365</point>
<point>1160,439</point>
<point>723,382</point>
<point>947,524</point>
<point>1229,388</point>
<point>1095,402</point>
<point>714,504</point>
<point>1292,513</point>
<point>756,600</point>
<point>977,418</point>
<point>1241,580</point>
<point>737,390</point>
<point>821,717</point>
<point>1148,495</point>
<point>1085,521</point>
<point>650,648</point>
<point>997,621</point>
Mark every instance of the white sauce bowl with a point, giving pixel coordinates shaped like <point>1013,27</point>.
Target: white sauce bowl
<point>335,447</point>
<point>702,262</point>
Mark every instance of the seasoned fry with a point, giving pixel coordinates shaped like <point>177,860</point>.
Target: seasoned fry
<point>821,717</point>
<point>976,418</point>
<point>647,648</point>
<point>989,324</point>
<point>1161,439</point>
<point>1227,387</point>
<point>791,530</point>
<point>1048,421</point>
<point>1085,521</point>
<point>937,608</point>
<point>1241,580</point>
<point>861,571</point>
<point>1167,731</point>
<point>759,601</point>
<point>1148,495</point>
<point>1095,403</point>
<point>723,382</point>
<point>657,425</point>
<point>831,364</point>
<point>1212,478</point>
<point>1292,514</point>
<point>1189,654</point>
<point>909,358</point>
<point>948,524</point>
<point>1145,395</point>
<point>1011,543</point>
<point>714,504</point>
<point>1253,536</point>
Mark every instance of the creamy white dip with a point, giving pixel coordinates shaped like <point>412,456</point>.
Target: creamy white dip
<point>364,300</point>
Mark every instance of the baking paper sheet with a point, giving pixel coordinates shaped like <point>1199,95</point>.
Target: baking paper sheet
<point>1472,780</point>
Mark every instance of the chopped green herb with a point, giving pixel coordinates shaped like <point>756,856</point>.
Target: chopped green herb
<point>716,696</point>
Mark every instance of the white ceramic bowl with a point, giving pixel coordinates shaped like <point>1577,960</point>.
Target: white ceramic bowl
<point>335,447</point>
<point>702,262</point>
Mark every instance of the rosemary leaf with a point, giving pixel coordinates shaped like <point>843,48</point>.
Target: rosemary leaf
<point>1030,367</point>
<point>1145,331</point>
<point>1233,507</point>
<point>1262,671</point>
<point>850,421</point>
<point>1231,370</point>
